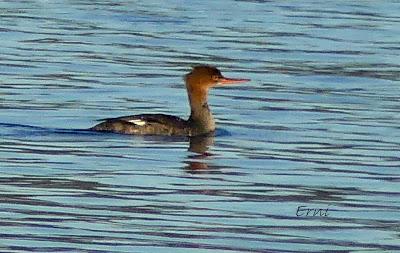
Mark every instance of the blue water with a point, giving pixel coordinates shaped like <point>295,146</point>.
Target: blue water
<point>317,127</point>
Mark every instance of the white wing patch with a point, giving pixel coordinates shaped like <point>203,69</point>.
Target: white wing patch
<point>138,122</point>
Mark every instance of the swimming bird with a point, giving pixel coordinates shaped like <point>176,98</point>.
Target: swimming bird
<point>201,121</point>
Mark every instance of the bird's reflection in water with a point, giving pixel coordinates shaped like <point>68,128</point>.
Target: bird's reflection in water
<point>197,161</point>
<point>199,156</point>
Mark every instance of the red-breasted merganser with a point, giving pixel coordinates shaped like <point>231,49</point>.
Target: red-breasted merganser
<point>200,122</point>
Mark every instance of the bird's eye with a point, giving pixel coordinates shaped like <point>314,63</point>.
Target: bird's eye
<point>215,77</point>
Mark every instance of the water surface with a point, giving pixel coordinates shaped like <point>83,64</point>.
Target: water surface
<point>318,127</point>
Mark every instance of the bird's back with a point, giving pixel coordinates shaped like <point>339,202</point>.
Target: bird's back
<point>145,124</point>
